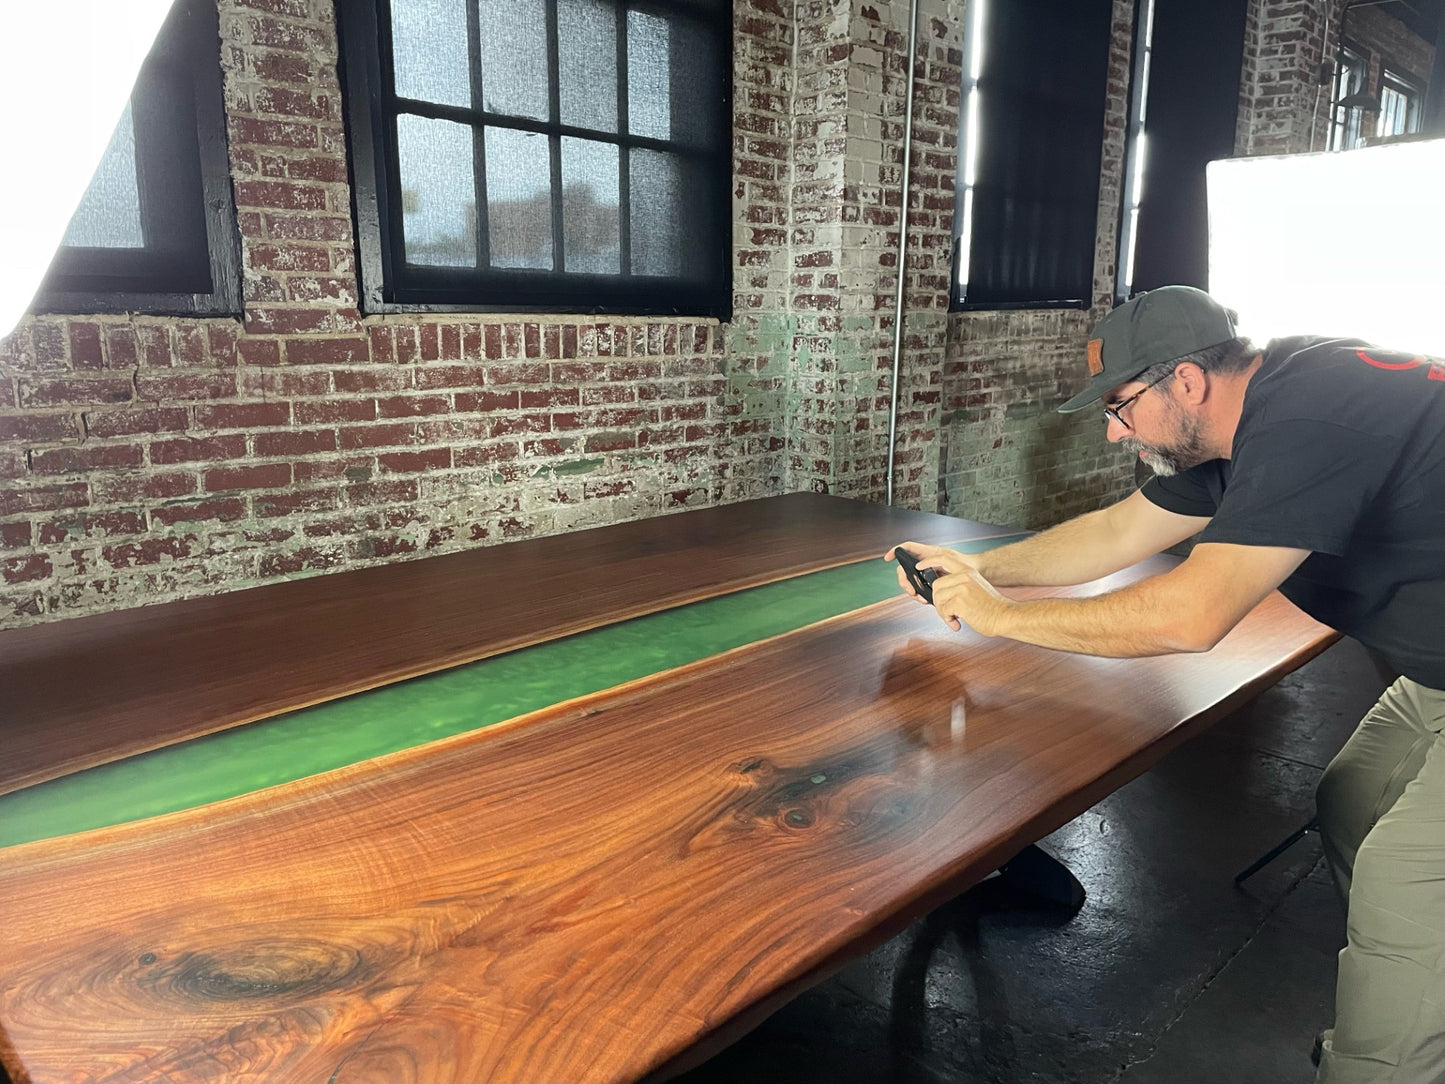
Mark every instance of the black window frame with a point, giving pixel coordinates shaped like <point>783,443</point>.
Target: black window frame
<point>1002,173</point>
<point>389,285</point>
<point>191,262</point>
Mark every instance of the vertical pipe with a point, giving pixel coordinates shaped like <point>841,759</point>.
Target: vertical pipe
<point>902,240</point>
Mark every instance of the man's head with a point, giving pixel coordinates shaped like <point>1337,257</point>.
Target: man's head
<point>1160,326</point>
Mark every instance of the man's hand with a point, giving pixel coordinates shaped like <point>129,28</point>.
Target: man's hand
<point>966,598</point>
<point>942,560</point>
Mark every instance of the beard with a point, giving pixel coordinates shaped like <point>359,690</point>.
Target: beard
<point>1184,450</point>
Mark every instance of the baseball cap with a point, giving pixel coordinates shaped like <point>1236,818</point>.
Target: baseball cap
<point>1154,327</point>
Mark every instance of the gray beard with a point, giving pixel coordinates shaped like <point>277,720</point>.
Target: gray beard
<point>1162,461</point>
<point>1186,451</point>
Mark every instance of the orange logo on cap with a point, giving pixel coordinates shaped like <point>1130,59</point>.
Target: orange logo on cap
<point>1096,356</point>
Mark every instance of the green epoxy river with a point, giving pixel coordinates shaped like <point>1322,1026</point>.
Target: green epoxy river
<point>411,713</point>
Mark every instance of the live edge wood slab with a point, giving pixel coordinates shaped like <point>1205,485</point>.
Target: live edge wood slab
<point>599,890</point>
<point>82,692</point>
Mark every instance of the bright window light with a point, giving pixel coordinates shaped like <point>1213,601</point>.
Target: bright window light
<point>1333,244</point>
<point>86,54</point>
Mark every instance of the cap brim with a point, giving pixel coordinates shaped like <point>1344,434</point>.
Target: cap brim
<point>1095,390</point>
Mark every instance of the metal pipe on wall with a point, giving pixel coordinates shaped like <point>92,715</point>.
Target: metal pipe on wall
<point>902,240</point>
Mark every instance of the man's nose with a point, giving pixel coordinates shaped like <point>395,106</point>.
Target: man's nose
<point>1115,430</point>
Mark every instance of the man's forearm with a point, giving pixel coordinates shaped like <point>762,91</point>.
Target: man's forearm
<point>1075,551</point>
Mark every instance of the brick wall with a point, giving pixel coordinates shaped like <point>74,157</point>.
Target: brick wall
<point>146,458</point>
<point>1284,106</point>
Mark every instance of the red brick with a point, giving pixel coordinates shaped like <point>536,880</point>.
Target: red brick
<point>281,195</point>
<point>149,551</point>
<point>85,351</point>
<point>260,351</point>
<point>262,320</point>
<point>198,449</point>
<point>91,525</point>
<point>38,428</point>
<point>262,476</point>
<point>214,510</point>
<point>307,442</point>
<point>180,384</point>
<point>284,35</point>
<point>287,504</point>
<point>154,346</point>
<point>15,535</point>
<point>327,352</point>
<point>430,377</point>
<point>335,410</point>
<point>15,501</point>
<point>415,462</point>
<point>317,168</point>
<point>35,566</point>
<point>274,133</point>
<point>429,342</point>
<point>375,436</point>
<point>124,423</point>
<point>281,68</point>
<point>86,458</point>
<point>242,415</point>
<point>290,257</point>
<point>610,442</point>
<point>74,391</point>
<point>382,547</point>
<point>112,489</point>
<point>470,402</point>
<point>399,491</point>
<point>550,397</point>
<point>411,406</point>
<point>121,346</point>
<point>285,564</point>
<point>285,227</point>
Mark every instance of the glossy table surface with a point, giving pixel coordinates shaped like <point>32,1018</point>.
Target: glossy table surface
<point>597,889</point>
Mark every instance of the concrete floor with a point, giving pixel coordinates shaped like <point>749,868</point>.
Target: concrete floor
<point>1167,975</point>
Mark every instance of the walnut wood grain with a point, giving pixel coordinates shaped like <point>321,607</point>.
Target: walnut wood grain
<point>85,691</point>
<point>589,892</point>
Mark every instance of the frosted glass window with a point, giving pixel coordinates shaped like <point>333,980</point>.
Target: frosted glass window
<point>587,59</point>
<point>109,212</point>
<point>591,236</point>
<point>429,44</point>
<point>649,108</point>
<point>658,224</point>
<point>519,199</point>
<point>438,193</point>
<point>514,57</point>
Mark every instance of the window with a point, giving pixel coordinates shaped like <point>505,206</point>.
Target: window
<point>1031,133</point>
<point>541,155</point>
<point>1183,108</point>
<point>156,230</point>
<point>1352,73</point>
<point>1399,106</point>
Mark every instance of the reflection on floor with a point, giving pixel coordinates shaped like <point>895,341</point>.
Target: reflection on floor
<point>1167,975</point>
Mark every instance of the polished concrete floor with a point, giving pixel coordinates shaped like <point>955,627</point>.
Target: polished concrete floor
<point>1167,975</point>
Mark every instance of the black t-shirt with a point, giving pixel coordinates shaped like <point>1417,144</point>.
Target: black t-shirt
<point>1340,450</point>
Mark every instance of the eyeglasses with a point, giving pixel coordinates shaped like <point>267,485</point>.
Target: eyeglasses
<point>1116,412</point>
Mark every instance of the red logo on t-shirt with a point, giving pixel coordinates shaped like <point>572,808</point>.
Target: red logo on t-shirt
<point>1388,360</point>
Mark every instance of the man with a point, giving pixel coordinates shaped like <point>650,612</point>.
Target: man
<point>1316,466</point>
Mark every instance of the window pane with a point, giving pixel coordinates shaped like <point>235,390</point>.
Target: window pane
<point>438,192</point>
<point>656,205</point>
<point>590,232</point>
<point>673,74</point>
<point>649,109</point>
<point>519,199</point>
<point>109,212</point>
<point>587,57</point>
<point>514,57</point>
<point>429,50</point>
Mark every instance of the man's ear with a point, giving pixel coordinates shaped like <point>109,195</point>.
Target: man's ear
<point>1192,382</point>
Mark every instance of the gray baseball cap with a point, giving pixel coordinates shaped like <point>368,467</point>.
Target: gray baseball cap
<point>1154,327</point>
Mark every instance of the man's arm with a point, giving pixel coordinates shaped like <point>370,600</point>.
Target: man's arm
<point>1076,551</point>
<point>1190,608</point>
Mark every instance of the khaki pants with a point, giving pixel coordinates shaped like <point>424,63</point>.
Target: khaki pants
<point>1381,806</point>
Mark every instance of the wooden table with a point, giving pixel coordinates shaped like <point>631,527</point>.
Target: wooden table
<point>602,890</point>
